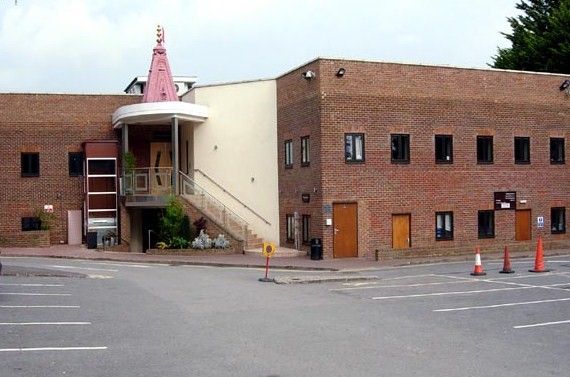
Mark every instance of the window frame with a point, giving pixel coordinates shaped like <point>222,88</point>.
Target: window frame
<point>69,164</point>
<point>31,223</point>
<point>563,141</point>
<point>525,140</point>
<point>558,231</point>
<point>490,139</point>
<point>288,145</point>
<point>404,143</point>
<point>305,150</point>
<point>24,163</point>
<point>353,136</point>
<point>290,227</point>
<point>479,234</point>
<point>306,220</point>
<point>445,236</point>
<point>443,138</point>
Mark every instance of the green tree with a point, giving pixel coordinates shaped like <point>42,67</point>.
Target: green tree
<point>540,38</point>
<point>172,221</point>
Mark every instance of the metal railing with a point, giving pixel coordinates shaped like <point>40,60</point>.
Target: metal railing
<point>219,213</point>
<point>147,181</point>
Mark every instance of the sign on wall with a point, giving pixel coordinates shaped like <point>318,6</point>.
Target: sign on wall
<point>540,222</point>
<point>505,200</point>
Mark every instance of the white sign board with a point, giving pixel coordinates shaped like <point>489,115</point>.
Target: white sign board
<point>540,222</point>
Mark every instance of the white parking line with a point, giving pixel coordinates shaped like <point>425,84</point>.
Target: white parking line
<point>501,305</point>
<point>541,324</point>
<point>30,285</point>
<point>378,286</point>
<point>39,307</point>
<point>42,323</point>
<point>388,279</point>
<point>119,264</point>
<point>33,294</point>
<point>85,268</point>
<point>451,293</point>
<point>52,349</point>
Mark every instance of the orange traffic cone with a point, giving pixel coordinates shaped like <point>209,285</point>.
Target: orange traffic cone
<point>478,271</point>
<point>539,259</point>
<point>507,263</point>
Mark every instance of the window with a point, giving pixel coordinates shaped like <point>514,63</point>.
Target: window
<point>558,220</point>
<point>443,226</point>
<point>522,150</point>
<point>75,164</point>
<point>30,164</point>
<point>486,224</point>
<point>484,149</point>
<point>290,227</point>
<point>443,149</point>
<point>289,153</point>
<point>400,146</point>
<point>556,150</point>
<point>354,147</point>
<point>305,150</point>
<point>306,228</point>
<point>31,223</point>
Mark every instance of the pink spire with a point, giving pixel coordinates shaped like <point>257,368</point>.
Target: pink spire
<point>160,85</point>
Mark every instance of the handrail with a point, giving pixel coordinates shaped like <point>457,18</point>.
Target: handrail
<point>233,196</point>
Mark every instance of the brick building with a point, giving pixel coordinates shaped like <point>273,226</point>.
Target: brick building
<point>415,160</point>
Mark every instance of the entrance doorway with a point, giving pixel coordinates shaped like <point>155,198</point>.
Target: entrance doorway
<point>401,231</point>
<point>150,227</point>
<point>345,221</point>
<point>522,225</point>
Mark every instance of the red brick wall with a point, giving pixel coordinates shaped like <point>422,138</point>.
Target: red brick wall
<point>53,125</point>
<point>378,99</point>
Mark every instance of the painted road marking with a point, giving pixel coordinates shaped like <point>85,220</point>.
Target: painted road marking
<point>403,285</point>
<point>388,279</point>
<point>96,276</point>
<point>541,324</point>
<point>31,285</point>
<point>119,264</point>
<point>33,294</point>
<point>39,307</point>
<point>52,349</point>
<point>85,268</point>
<point>42,323</point>
<point>501,305</point>
<point>450,293</point>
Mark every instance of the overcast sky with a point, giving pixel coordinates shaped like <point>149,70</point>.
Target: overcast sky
<point>98,46</point>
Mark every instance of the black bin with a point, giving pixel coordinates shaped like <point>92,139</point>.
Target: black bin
<point>91,240</point>
<point>316,249</point>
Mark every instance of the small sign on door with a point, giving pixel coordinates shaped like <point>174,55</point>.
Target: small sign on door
<point>540,222</point>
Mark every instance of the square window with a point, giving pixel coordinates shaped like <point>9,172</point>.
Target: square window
<point>290,221</point>
<point>443,149</point>
<point>557,155</point>
<point>354,147</point>
<point>400,148</point>
<point>75,164</point>
<point>522,150</point>
<point>30,164</point>
<point>306,228</point>
<point>31,223</point>
<point>289,153</point>
<point>486,224</point>
<point>558,220</point>
<point>443,226</point>
<point>305,151</point>
<point>484,149</point>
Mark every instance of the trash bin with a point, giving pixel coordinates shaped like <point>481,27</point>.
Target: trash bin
<point>91,240</point>
<point>316,249</point>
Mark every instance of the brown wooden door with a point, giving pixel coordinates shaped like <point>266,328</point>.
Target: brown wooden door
<point>161,168</point>
<point>401,231</point>
<point>522,225</point>
<point>345,240</point>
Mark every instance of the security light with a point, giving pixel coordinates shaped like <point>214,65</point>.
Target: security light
<point>565,85</point>
<point>340,72</point>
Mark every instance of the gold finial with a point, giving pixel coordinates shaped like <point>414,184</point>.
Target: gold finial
<point>159,34</point>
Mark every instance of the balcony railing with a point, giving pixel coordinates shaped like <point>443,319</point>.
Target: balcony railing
<point>147,181</point>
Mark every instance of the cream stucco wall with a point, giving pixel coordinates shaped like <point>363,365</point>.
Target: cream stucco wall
<point>237,148</point>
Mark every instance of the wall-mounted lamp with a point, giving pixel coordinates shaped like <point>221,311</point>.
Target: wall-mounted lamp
<point>340,72</point>
<point>309,75</point>
<point>215,147</point>
<point>314,189</point>
<point>565,85</point>
<point>252,179</point>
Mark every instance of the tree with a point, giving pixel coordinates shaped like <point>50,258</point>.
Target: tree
<point>540,38</point>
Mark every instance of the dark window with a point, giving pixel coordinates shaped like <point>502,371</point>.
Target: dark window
<point>558,220</point>
<point>443,149</point>
<point>400,146</point>
<point>75,164</point>
<point>30,164</point>
<point>305,151</point>
<point>484,149</point>
<point>306,228</point>
<point>486,224</point>
<point>556,150</point>
<point>31,223</point>
<point>101,167</point>
<point>290,227</point>
<point>522,150</point>
<point>443,226</point>
<point>289,153</point>
<point>354,147</point>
